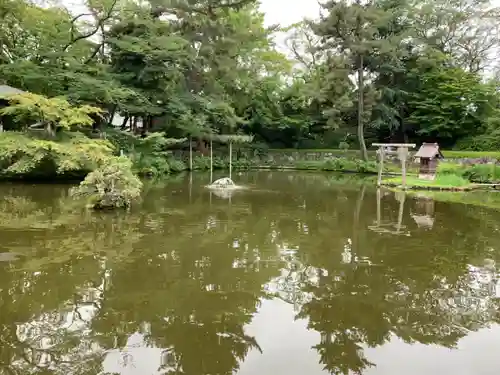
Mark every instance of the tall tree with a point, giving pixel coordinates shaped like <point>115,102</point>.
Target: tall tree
<point>352,29</point>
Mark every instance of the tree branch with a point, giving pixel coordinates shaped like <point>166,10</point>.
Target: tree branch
<point>101,21</point>
<point>94,52</point>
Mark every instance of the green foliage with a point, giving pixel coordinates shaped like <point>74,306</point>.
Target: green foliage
<point>201,163</point>
<point>177,166</point>
<point>150,165</point>
<point>125,141</point>
<point>113,185</point>
<point>450,168</point>
<point>339,165</point>
<point>450,104</point>
<point>483,173</point>
<point>150,155</point>
<point>471,154</point>
<point>479,173</point>
<point>213,69</point>
<point>22,156</point>
<point>54,113</point>
<point>344,146</point>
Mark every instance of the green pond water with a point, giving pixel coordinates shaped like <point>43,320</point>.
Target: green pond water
<point>300,274</point>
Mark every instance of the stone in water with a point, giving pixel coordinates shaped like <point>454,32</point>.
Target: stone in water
<point>223,183</point>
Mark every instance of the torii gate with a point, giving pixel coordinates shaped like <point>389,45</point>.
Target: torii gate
<point>402,152</point>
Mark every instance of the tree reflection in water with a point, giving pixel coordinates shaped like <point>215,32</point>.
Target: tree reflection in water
<point>171,286</point>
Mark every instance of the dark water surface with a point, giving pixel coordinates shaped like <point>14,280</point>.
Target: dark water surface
<point>300,274</point>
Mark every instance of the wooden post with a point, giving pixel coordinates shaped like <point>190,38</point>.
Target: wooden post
<point>379,197</point>
<point>380,166</point>
<point>401,209</point>
<point>230,158</point>
<point>190,185</point>
<point>402,153</point>
<point>211,162</point>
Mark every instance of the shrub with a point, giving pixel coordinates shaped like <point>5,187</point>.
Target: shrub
<point>113,185</point>
<point>201,163</point>
<point>480,143</point>
<point>482,173</point>
<point>150,165</point>
<point>125,141</point>
<point>259,149</point>
<point>365,166</point>
<point>177,165</point>
<point>479,173</point>
<point>22,156</point>
<point>335,164</point>
<point>220,163</point>
<point>343,146</point>
<point>241,164</point>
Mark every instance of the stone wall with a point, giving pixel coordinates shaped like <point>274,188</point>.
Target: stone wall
<point>290,157</point>
<point>273,157</point>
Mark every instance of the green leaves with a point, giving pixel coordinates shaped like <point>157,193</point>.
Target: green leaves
<point>112,185</point>
<point>54,112</point>
<point>450,103</point>
<point>189,68</point>
<point>22,156</point>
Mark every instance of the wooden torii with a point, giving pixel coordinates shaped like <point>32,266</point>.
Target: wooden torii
<point>402,152</point>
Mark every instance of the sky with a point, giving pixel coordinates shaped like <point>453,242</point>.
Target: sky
<point>286,12</point>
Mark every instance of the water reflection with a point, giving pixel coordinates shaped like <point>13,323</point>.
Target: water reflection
<point>182,284</point>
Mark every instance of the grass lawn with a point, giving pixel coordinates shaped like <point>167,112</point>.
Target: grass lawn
<point>444,182</point>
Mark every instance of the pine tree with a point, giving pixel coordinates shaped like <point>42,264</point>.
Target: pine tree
<point>356,31</point>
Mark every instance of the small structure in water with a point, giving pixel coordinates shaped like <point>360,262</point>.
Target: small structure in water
<point>429,156</point>
<point>223,183</point>
<point>224,187</point>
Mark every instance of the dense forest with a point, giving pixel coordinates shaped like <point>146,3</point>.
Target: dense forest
<point>386,70</point>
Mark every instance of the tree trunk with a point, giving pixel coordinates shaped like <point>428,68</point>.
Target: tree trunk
<point>134,125</point>
<point>124,123</point>
<point>144,129</point>
<point>150,123</point>
<point>361,130</point>
<point>50,130</point>
<point>403,125</point>
<point>211,162</point>
<point>112,115</point>
<point>230,158</point>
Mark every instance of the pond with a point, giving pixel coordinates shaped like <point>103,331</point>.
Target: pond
<point>301,273</point>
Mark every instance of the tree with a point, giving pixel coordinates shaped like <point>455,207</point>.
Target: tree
<point>466,30</point>
<point>52,113</point>
<point>353,30</point>
<point>449,104</point>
